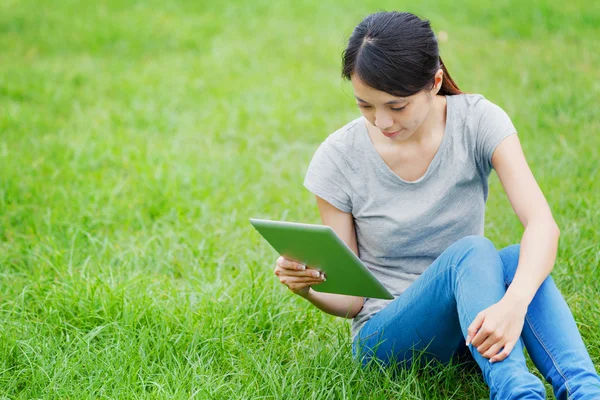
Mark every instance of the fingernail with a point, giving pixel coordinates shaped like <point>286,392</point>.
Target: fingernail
<point>468,340</point>
<point>302,267</point>
<point>323,277</point>
<point>316,274</point>
<point>491,362</point>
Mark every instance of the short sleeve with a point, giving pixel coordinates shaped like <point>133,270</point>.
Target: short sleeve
<point>326,179</point>
<point>493,127</point>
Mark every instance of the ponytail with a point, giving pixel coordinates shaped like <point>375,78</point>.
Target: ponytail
<point>449,87</point>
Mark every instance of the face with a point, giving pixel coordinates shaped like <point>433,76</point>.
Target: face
<point>398,118</point>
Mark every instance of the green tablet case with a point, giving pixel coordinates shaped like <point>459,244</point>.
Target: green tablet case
<point>320,248</point>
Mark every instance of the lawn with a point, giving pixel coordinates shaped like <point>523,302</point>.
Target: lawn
<point>138,137</point>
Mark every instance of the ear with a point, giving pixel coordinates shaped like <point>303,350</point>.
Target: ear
<point>438,80</point>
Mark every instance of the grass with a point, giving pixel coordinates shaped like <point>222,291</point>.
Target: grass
<point>138,137</point>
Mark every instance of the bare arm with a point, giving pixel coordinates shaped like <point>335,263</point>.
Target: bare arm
<point>540,239</point>
<point>343,225</point>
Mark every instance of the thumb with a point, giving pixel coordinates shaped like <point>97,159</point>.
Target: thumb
<point>474,327</point>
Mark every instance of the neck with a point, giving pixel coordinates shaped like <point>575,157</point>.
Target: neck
<point>430,127</point>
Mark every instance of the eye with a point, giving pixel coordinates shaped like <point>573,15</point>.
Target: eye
<point>398,109</point>
<point>361,106</point>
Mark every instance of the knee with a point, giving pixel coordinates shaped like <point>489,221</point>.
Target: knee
<point>475,243</point>
<point>477,253</point>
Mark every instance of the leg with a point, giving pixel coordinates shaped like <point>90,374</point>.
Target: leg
<point>433,315</point>
<point>553,340</point>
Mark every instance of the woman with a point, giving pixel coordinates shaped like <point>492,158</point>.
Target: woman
<point>405,187</point>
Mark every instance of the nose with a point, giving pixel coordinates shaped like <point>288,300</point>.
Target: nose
<point>383,121</point>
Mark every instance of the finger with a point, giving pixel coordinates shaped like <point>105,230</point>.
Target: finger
<point>312,273</point>
<point>475,325</point>
<point>493,350</point>
<point>482,335</point>
<point>508,348</point>
<point>294,279</point>
<point>301,285</point>
<point>290,264</point>
<point>487,344</point>
<point>287,280</point>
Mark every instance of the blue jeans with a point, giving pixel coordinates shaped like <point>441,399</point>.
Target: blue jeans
<point>432,316</point>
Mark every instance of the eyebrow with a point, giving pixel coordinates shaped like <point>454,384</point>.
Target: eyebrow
<point>389,102</point>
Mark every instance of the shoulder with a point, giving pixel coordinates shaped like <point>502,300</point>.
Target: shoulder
<point>470,104</point>
<point>478,112</point>
<point>480,108</point>
<point>340,146</point>
<point>346,137</point>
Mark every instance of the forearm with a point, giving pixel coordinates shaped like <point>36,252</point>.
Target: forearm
<point>536,259</point>
<point>336,304</point>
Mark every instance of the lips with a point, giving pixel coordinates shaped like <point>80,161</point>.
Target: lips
<point>391,134</point>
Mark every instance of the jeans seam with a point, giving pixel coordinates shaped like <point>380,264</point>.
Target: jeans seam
<point>368,336</point>
<point>569,392</point>
<point>459,289</point>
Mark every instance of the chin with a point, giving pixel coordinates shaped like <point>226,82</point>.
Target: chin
<point>404,134</point>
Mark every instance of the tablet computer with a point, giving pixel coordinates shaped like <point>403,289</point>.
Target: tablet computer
<point>320,248</point>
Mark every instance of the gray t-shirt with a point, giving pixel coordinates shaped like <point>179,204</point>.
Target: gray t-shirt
<point>402,226</point>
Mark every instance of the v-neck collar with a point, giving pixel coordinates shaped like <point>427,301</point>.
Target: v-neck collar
<point>385,169</point>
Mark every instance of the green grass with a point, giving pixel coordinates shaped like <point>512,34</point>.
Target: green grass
<point>137,138</point>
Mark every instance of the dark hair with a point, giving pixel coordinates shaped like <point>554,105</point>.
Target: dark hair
<point>397,53</point>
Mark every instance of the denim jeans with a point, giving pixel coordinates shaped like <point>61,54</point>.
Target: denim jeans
<point>432,316</point>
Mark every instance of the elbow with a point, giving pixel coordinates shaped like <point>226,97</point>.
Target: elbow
<point>556,229</point>
<point>546,223</point>
<point>358,306</point>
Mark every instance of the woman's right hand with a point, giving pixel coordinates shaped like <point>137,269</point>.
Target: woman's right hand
<point>296,276</point>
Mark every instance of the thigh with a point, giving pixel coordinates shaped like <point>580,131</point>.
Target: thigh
<point>423,318</point>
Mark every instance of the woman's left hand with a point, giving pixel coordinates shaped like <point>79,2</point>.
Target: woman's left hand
<point>497,327</point>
